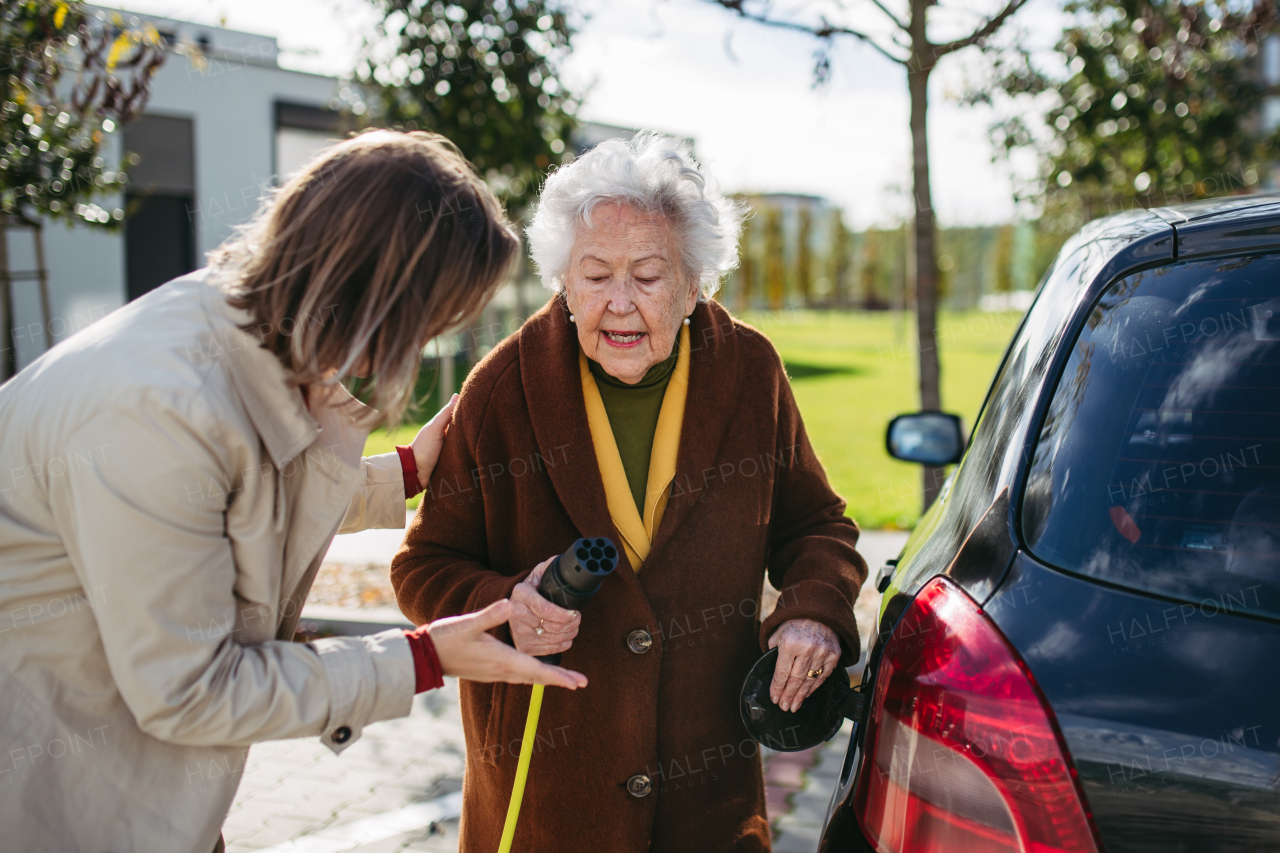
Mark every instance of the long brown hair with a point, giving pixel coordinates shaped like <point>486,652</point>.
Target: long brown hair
<point>380,244</point>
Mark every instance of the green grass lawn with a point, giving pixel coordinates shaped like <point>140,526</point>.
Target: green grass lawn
<point>852,372</point>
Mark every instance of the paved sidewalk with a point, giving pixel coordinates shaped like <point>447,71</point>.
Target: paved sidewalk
<point>292,790</point>
<point>812,776</point>
<point>393,790</point>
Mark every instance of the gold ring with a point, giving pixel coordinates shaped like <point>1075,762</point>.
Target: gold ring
<point>539,629</point>
<point>814,673</point>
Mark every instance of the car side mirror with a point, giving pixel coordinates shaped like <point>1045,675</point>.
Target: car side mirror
<point>930,438</point>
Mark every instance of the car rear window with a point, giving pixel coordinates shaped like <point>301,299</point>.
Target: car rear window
<point>1158,463</point>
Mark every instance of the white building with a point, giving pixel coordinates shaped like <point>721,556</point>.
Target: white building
<point>215,135</point>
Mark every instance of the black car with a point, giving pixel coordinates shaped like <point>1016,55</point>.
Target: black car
<point>1079,647</point>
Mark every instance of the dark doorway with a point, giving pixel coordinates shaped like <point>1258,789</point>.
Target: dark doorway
<point>160,228</point>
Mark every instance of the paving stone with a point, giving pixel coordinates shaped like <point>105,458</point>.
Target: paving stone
<point>277,831</point>
<point>808,810</point>
<point>389,845</point>
<point>378,801</point>
<point>831,757</point>
<point>797,840</point>
<point>776,802</point>
<point>444,840</point>
<point>248,817</point>
<point>787,769</point>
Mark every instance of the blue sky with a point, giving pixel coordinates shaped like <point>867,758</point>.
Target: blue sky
<point>743,91</point>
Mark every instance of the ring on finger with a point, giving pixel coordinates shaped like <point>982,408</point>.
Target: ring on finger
<point>815,673</point>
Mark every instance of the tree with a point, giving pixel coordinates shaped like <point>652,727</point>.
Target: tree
<point>804,256</point>
<point>1159,103</point>
<point>911,48</point>
<point>485,73</point>
<point>838,260</point>
<point>51,129</point>
<point>775,283</point>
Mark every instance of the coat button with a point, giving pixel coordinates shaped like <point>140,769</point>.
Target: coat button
<point>639,785</point>
<point>341,734</point>
<point>639,641</point>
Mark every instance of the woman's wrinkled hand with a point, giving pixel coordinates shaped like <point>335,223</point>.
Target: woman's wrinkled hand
<point>539,627</point>
<point>803,646</point>
<point>427,443</point>
<point>466,650</point>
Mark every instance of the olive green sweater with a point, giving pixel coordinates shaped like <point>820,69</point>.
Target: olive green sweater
<point>633,416</point>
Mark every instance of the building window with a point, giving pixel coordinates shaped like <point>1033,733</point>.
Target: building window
<point>302,132</point>
<point>160,225</point>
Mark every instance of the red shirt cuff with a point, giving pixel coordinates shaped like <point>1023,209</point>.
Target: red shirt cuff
<point>428,674</point>
<point>409,467</point>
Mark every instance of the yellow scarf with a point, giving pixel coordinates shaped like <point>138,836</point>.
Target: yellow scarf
<point>637,534</point>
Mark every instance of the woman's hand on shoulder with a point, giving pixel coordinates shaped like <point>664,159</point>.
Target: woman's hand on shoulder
<point>539,627</point>
<point>804,646</point>
<point>427,443</point>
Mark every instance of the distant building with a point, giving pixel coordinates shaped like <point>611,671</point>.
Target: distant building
<point>589,134</point>
<point>793,252</point>
<point>793,203</point>
<point>216,134</point>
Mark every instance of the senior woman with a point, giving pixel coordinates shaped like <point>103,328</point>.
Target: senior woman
<point>632,406</point>
<point>174,475</point>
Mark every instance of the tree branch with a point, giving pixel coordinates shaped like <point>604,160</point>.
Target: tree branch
<point>982,32</point>
<point>896,20</point>
<point>824,31</point>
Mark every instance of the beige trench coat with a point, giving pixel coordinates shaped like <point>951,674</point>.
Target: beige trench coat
<point>165,502</point>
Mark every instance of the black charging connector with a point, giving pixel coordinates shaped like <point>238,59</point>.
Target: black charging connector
<point>575,576</point>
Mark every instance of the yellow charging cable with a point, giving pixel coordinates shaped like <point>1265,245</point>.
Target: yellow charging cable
<point>570,580</point>
<point>522,769</point>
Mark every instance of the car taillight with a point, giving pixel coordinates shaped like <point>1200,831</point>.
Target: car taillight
<point>962,752</point>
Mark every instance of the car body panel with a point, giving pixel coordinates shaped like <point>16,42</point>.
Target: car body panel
<point>1179,696</point>
<point>1210,208</point>
<point>1230,231</point>
<point>1172,731</point>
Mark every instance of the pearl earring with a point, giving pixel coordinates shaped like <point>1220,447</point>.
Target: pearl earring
<point>686,321</point>
<point>572,319</point>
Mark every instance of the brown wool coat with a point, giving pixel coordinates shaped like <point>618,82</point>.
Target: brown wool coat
<point>517,482</point>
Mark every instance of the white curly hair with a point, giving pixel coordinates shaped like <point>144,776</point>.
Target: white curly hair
<point>653,174</point>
